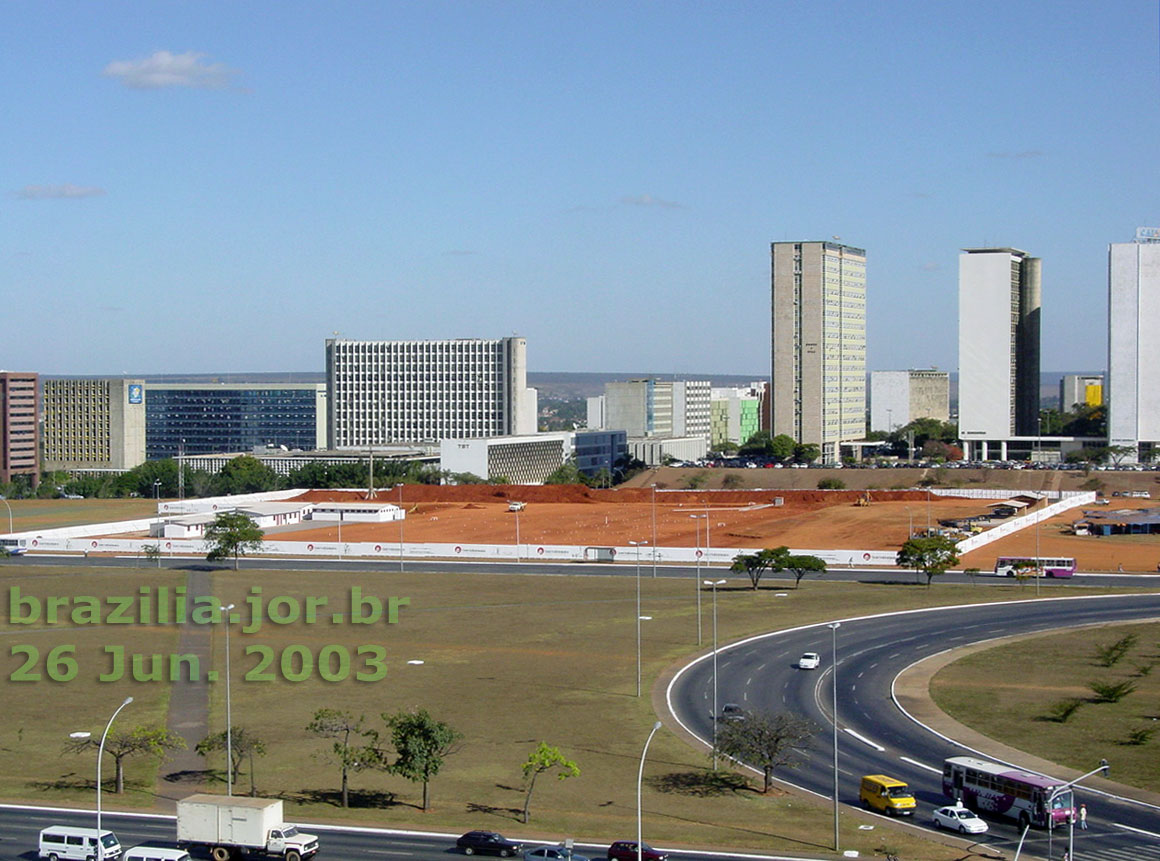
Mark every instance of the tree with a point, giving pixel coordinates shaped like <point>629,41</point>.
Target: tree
<point>565,473</point>
<point>152,553</point>
<point>831,484</point>
<point>543,759</point>
<point>243,745</point>
<point>141,740</point>
<point>232,534</point>
<point>800,566</point>
<point>754,565</point>
<point>347,731</point>
<point>767,740</point>
<point>932,556</point>
<point>421,744</point>
<point>806,452</point>
<point>246,474</point>
<point>782,447</point>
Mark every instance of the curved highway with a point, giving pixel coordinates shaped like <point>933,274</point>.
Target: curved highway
<point>876,736</point>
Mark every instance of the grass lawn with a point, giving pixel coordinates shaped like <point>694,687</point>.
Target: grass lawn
<point>29,514</point>
<point>1008,693</point>
<point>508,660</point>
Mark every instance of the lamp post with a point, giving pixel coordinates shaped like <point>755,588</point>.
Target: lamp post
<point>100,756</point>
<point>697,582</point>
<point>157,488</point>
<point>834,665</point>
<point>639,780</point>
<point>654,530</point>
<point>1059,790</point>
<point>4,499</point>
<point>229,713</point>
<point>517,535</point>
<point>910,521</point>
<point>715,584</point>
<point>402,517</point>
<point>638,545</point>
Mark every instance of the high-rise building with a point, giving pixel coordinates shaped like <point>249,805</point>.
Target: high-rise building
<point>735,414</point>
<point>19,427</point>
<point>658,408</point>
<point>999,302</point>
<point>1080,389</point>
<point>1134,343</point>
<point>383,392</point>
<point>94,424</point>
<point>818,363</point>
<point>899,397</point>
<point>212,418</point>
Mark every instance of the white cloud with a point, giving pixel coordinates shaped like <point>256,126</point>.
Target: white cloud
<point>58,192</point>
<point>164,69</point>
<point>649,200</point>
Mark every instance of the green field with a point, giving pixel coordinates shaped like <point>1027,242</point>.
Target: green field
<point>30,514</point>
<point>507,660</point>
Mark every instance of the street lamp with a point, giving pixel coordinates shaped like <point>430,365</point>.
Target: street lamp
<point>1071,819</point>
<point>157,488</point>
<point>4,499</point>
<point>229,713</point>
<point>638,545</point>
<point>639,780</point>
<point>697,582</point>
<point>402,517</point>
<point>100,756</point>
<point>834,665</point>
<point>715,584</point>
<point>654,527</point>
<point>517,535</point>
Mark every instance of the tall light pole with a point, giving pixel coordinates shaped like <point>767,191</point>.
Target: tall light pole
<point>9,507</point>
<point>517,535</point>
<point>910,522</point>
<point>229,713</point>
<point>654,526</point>
<point>638,545</point>
<point>100,756</point>
<point>402,517</point>
<point>716,713</point>
<point>834,665</point>
<point>697,582</point>
<point>639,780</point>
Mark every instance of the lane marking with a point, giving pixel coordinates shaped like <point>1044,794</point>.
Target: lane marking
<point>921,764</point>
<point>1135,830</point>
<point>863,739</point>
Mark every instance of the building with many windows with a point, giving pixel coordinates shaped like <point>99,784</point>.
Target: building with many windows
<point>93,424</point>
<point>19,427</point>
<point>735,414</point>
<point>658,408</point>
<point>999,306</point>
<point>899,397</point>
<point>818,361</point>
<point>200,418</point>
<point>1134,343</point>
<point>1085,390</point>
<point>512,459</point>
<point>383,392</point>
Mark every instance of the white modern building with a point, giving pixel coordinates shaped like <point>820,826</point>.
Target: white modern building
<point>514,459</point>
<point>818,356</point>
<point>899,397</point>
<point>657,408</point>
<point>383,392</point>
<point>999,306</point>
<point>1134,343</point>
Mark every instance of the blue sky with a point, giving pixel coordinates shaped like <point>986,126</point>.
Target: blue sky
<point>201,187</point>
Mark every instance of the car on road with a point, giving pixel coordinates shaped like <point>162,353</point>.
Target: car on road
<point>625,850</point>
<point>732,711</point>
<point>957,818</point>
<point>809,661</point>
<point>488,843</point>
<point>553,853</point>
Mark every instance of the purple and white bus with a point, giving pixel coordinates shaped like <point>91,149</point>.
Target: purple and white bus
<point>1041,566</point>
<point>988,787</point>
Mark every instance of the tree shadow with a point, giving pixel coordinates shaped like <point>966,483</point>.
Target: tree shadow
<point>365,799</point>
<point>195,775</point>
<point>515,814</point>
<point>701,784</point>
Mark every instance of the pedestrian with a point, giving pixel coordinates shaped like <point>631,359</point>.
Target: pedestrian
<point>1083,817</point>
<point>1066,855</point>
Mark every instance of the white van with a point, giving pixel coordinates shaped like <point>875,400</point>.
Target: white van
<point>64,841</point>
<point>154,853</point>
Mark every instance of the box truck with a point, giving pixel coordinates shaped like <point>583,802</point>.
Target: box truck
<point>232,825</point>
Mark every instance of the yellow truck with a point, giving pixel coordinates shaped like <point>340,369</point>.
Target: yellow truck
<point>886,795</point>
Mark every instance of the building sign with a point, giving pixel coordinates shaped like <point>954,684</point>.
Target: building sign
<point>1147,234</point>
<point>136,393</point>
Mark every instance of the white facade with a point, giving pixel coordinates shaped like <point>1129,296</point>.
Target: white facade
<point>1134,342</point>
<point>899,397</point>
<point>1085,389</point>
<point>516,459</point>
<point>383,392</point>
<point>658,408</point>
<point>652,450</point>
<point>596,413</point>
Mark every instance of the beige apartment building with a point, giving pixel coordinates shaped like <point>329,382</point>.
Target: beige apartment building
<point>93,424</point>
<point>19,430</point>
<point>818,363</point>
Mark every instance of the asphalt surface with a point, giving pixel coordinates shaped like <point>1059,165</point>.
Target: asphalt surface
<point>876,736</point>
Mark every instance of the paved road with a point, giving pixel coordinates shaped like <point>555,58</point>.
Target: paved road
<point>876,736</point>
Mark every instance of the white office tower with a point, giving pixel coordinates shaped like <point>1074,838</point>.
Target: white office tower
<point>1134,343</point>
<point>899,397</point>
<point>999,301</point>
<point>383,392</point>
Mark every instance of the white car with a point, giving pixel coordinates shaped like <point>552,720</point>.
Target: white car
<point>809,661</point>
<point>959,819</point>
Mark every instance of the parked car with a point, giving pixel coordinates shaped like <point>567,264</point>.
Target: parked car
<point>959,819</point>
<point>625,850</point>
<point>488,843</point>
<point>809,661</point>
<point>553,853</point>
<point>732,711</point>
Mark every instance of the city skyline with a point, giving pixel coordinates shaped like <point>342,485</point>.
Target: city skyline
<point>213,188</point>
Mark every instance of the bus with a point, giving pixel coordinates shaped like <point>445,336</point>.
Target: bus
<point>988,787</point>
<point>1006,566</point>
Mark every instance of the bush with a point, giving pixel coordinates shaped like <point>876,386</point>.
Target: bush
<point>732,480</point>
<point>1062,710</point>
<point>1109,655</point>
<point>831,484</point>
<point>1140,736</point>
<point>1111,692</point>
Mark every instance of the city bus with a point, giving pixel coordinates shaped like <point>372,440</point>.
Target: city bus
<point>988,787</point>
<point>1006,566</point>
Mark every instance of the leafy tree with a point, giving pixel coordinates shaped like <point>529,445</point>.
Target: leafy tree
<point>246,474</point>
<point>767,740</point>
<point>243,745</point>
<point>754,565</point>
<point>783,447</point>
<point>932,556</point>
<point>759,444</point>
<point>697,480</point>
<point>728,447</point>
<point>831,484</point>
<point>543,759</point>
<point>141,740</point>
<point>1111,692</point>
<point>800,566</point>
<point>354,746</point>
<point>421,744</point>
<point>232,534</point>
<point>566,473</point>
<point>806,452</point>
<point>152,553</point>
